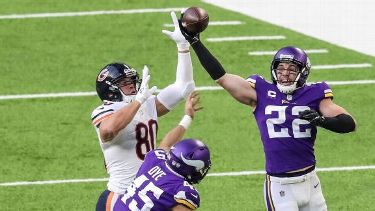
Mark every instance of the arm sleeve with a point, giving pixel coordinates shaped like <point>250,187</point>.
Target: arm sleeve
<point>208,61</point>
<point>342,123</point>
<point>182,87</point>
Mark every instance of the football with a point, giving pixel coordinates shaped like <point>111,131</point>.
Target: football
<point>195,20</point>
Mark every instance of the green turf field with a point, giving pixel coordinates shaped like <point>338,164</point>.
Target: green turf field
<point>52,138</point>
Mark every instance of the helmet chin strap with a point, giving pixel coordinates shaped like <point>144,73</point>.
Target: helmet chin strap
<point>289,88</point>
<point>127,98</point>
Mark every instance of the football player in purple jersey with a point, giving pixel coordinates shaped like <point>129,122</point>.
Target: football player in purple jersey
<point>164,181</point>
<point>288,112</point>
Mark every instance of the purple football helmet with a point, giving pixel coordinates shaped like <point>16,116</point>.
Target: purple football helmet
<point>108,79</point>
<point>191,159</point>
<point>294,55</point>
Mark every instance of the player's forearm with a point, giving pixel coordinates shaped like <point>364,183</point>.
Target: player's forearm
<point>171,95</point>
<point>172,137</point>
<point>110,127</point>
<point>176,134</point>
<point>342,123</point>
<point>208,61</point>
<point>184,72</point>
<point>125,115</point>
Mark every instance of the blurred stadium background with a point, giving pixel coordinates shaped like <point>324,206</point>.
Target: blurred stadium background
<point>49,155</point>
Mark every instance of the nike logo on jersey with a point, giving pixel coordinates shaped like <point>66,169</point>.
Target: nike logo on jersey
<point>287,102</point>
<point>282,193</point>
<point>315,186</point>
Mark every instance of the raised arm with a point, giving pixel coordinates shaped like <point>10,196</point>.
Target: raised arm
<point>171,95</point>
<point>176,134</point>
<point>238,87</point>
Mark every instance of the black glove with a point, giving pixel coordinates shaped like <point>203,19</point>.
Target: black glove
<point>191,38</point>
<point>312,116</point>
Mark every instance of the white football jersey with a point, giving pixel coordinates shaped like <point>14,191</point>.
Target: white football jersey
<point>125,153</point>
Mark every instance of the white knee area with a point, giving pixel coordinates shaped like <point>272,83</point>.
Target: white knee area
<point>171,95</point>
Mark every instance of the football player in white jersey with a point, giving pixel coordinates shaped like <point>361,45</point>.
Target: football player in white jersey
<point>127,121</point>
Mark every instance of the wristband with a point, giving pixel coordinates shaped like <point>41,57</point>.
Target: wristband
<point>183,46</point>
<point>185,121</point>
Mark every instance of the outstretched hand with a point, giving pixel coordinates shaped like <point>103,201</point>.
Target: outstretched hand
<point>176,35</point>
<point>191,38</point>
<point>144,92</point>
<point>312,116</point>
<point>192,104</point>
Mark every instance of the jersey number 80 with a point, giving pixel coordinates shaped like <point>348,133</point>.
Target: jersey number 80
<point>145,136</point>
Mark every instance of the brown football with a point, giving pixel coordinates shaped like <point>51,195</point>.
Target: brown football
<point>195,20</point>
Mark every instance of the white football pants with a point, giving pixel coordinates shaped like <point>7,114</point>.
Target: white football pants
<point>301,193</point>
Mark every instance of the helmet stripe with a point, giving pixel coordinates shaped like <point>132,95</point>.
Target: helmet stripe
<point>198,164</point>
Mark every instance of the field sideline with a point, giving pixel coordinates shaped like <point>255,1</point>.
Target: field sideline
<point>52,51</point>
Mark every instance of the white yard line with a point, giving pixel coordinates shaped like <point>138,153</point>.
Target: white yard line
<point>329,169</point>
<point>214,23</point>
<point>47,95</point>
<point>200,88</point>
<point>223,174</point>
<point>338,83</point>
<point>340,66</point>
<point>309,51</point>
<point>88,13</point>
<point>250,38</point>
<point>46,182</point>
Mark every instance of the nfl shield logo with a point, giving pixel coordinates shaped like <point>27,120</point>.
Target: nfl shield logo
<point>282,193</point>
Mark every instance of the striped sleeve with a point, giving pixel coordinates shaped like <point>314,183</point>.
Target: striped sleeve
<point>186,203</point>
<point>328,93</point>
<point>253,80</point>
<point>102,112</point>
<point>188,196</point>
<point>327,90</point>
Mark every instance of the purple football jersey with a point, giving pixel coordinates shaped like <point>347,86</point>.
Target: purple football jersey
<point>157,187</point>
<point>288,141</point>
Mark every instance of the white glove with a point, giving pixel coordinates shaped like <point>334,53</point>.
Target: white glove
<point>176,35</point>
<point>144,92</point>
